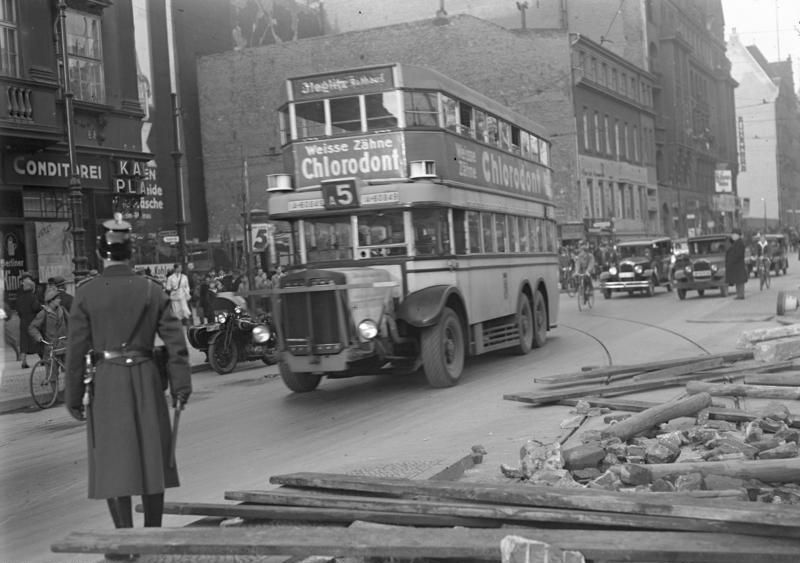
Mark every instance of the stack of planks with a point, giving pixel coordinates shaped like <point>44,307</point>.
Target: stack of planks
<point>466,522</point>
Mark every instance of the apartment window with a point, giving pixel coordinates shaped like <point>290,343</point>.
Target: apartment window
<point>585,129</point>
<point>618,139</point>
<point>624,84</point>
<point>607,134</point>
<point>626,142</point>
<point>604,74</point>
<point>614,79</point>
<point>9,57</point>
<point>635,143</point>
<point>597,146</point>
<point>85,56</point>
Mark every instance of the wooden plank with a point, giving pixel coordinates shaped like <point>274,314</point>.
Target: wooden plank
<point>626,405</point>
<point>340,515</point>
<point>692,367</point>
<point>545,397</point>
<point>767,470</point>
<point>506,514</point>
<point>737,415</point>
<point>645,420</point>
<point>550,497</point>
<point>409,543</point>
<point>788,379</point>
<point>741,390</point>
<point>734,356</point>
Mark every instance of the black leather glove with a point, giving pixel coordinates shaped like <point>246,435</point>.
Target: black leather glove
<point>180,398</point>
<point>76,413</point>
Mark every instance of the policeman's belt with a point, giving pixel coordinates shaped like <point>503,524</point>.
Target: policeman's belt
<point>128,355</point>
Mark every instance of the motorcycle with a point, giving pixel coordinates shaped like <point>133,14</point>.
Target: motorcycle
<point>234,336</point>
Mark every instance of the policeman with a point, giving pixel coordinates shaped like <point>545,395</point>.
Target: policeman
<point>114,318</point>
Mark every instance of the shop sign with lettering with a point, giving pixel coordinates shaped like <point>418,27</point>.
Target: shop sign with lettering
<point>343,83</point>
<point>53,170</point>
<point>377,156</point>
<point>12,259</point>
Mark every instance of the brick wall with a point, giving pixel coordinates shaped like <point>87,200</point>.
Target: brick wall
<point>240,91</point>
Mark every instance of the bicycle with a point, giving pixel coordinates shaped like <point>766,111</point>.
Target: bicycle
<point>763,272</point>
<point>45,373</point>
<point>585,292</point>
<point>572,285</point>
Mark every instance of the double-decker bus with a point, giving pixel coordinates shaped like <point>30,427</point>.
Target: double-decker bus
<point>422,227</point>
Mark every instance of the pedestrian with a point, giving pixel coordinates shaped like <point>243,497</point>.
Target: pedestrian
<point>27,307</point>
<point>61,285</point>
<point>50,322</point>
<point>735,269</point>
<point>116,316</point>
<point>260,280</point>
<point>177,287</point>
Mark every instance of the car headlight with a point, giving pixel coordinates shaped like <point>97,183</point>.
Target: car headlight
<point>688,269</point>
<point>221,317</point>
<point>367,329</point>
<point>638,269</point>
<point>714,268</point>
<point>612,270</point>
<point>237,310</point>
<point>261,334</point>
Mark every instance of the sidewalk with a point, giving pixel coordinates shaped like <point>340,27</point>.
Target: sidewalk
<point>15,394</point>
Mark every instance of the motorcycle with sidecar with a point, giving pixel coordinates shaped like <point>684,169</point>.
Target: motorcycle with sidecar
<point>235,335</point>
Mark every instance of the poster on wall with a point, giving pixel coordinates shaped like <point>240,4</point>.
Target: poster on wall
<point>54,250</point>
<point>12,260</point>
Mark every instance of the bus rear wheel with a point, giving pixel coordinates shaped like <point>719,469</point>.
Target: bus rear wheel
<point>298,382</point>
<point>443,350</point>
<point>525,326</point>
<point>539,320</point>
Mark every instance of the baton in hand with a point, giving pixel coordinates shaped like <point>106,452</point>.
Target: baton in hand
<point>175,421</point>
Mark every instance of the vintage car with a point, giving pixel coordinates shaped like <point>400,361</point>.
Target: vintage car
<point>641,265</point>
<point>704,265</point>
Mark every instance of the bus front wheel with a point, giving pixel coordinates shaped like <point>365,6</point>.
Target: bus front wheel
<point>298,382</point>
<point>443,350</point>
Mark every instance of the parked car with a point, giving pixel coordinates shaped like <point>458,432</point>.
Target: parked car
<point>704,266</point>
<point>641,265</point>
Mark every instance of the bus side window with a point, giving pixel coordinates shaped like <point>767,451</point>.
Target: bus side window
<point>534,148</point>
<point>544,155</point>
<point>500,232</point>
<point>480,127</point>
<point>488,239</point>
<point>421,109</point>
<point>524,238</point>
<point>460,231</point>
<point>345,114</point>
<point>382,111</point>
<point>515,140</point>
<point>431,231</point>
<point>474,231</point>
<point>525,144</point>
<point>505,135</point>
<point>492,133</point>
<point>310,118</point>
<point>450,108</point>
<point>466,120</point>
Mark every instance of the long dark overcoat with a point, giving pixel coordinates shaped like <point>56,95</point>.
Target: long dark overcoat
<point>128,426</point>
<point>27,307</point>
<point>735,268</point>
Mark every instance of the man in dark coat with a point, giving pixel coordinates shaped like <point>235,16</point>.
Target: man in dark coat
<point>116,316</point>
<point>735,268</point>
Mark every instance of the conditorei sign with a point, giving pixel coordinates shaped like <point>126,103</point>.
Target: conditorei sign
<point>353,82</point>
<point>52,170</point>
<point>375,156</point>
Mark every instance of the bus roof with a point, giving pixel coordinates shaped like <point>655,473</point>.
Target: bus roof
<point>411,77</point>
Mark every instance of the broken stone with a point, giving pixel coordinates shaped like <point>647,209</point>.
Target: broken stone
<point>729,445</point>
<point>586,474</point>
<point>635,459</point>
<point>585,455</point>
<point>572,422</point>
<point>774,410</point>
<point>785,450</point>
<point>633,474</point>
<point>788,435</point>
<point>673,440</point>
<point>607,481</point>
<point>592,436</point>
<point>702,434</point>
<point>720,425</point>
<point>511,472</point>
<point>582,407</point>
<point>763,445</point>
<point>727,457</point>
<point>609,461</point>
<point>616,417</point>
<point>615,447</point>
<point>689,482</point>
<point>634,450</point>
<point>753,432</point>
<point>682,425</point>
<point>553,478</point>
<point>723,483</point>
<point>662,486</point>
<point>659,453</point>
<point>772,425</point>
<point>689,455</point>
<point>536,456</point>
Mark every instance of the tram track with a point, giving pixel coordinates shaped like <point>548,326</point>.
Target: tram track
<point>609,355</point>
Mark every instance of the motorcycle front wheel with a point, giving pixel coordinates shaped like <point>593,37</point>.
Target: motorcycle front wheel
<point>222,358</point>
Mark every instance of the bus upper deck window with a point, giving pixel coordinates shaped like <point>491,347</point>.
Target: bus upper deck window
<point>450,108</point>
<point>466,120</point>
<point>382,111</point>
<point>310,117</point>
<point>534,148</point>
<point>480,126</point>
<point>525,144</point>
<point>505,134</point>
<point>492,132</point>
<point>345,115</point>
<point>515,140</point>
<point>544,153</point>
<point>421,109</point>
<point>285,129</point>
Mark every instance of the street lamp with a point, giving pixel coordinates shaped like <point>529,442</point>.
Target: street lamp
<point>75,192</point>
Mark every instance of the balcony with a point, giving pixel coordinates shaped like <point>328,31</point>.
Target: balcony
<point>28,111</point>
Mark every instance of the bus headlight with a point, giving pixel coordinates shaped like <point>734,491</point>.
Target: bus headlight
<point>612,270</point>
<point>261,334</point>
<point>637,269</point>
<point>367,329</point>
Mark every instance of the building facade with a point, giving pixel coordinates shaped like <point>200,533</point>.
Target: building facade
<point>769,139</point>
<point>49,210</point>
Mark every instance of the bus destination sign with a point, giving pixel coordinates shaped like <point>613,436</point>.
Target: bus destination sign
<point>368,157</point>
<point>340,194</point>
<point>354,82</point>
<point>473,163</point>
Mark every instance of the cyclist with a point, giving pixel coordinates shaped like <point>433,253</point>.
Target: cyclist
<point>762,252</point>
<point>50,322</point>
<point>584,265</point>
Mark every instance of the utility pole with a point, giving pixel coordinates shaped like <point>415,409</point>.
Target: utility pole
<point>246,215</point>
<point>75,191</point>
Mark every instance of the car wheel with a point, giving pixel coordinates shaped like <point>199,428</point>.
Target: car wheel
<point>298,382</point>
<point>724,290</point>
<point>681,294</point>
<point>701,292</point>
<point>651,288</point>
<point>607,293</point>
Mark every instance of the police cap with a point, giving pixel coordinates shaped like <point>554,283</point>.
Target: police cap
<point>114,243</point>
